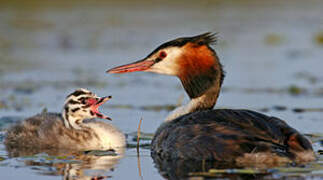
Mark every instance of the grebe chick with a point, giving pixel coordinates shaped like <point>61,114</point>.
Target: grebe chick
<point>73,129</point>
<point>197,132</point>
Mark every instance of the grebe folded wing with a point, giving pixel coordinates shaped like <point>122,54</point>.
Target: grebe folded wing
<point>226,135</point>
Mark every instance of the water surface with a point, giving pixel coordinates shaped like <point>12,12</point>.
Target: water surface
<point>271,50</point>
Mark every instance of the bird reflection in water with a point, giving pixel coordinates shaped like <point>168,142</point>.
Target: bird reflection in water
<point>89,165</point>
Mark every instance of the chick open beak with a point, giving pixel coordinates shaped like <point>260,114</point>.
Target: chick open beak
<point>95,107</point>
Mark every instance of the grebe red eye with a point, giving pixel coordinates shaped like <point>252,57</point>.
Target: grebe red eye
<point>162,54</point>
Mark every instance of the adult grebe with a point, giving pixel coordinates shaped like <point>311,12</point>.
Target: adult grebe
<point>197,132</point>
<point>67,130</point>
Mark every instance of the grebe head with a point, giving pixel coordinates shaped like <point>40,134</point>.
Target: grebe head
<point>82,104</point>
<point>189,58</point>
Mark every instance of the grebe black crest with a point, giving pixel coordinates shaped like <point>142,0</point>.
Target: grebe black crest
<point>196,132</point>
<point>74,129</point>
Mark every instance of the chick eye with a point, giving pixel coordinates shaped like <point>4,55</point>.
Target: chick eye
<point>82,100</point>
<point>162,54</point>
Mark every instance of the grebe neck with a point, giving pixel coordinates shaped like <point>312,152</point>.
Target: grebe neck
<point>203,102</point>
<point>203,90</point>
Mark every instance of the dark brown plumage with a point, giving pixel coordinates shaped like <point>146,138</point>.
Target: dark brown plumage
<point>227,135</point>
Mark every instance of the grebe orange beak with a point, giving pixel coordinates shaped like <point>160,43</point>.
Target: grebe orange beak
<point>141,65</point>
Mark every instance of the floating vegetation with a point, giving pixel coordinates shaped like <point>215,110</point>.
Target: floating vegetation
<point>143,136</point>
<point>238,171</point>
<point>292,90</point>
<point>141,145</point>
<point>284,171</point>
<point>273,39</point>
<point>318,38</point>
<point>298,169</point>
<point>279,108</point>
<point>101,153</point>
<point>296,110</point>
<point>215,172</point>
<point>301,110</point>
<point>168,107</point>
<point>2,158</point>
<point>295,90</point>
<point>44,158</point>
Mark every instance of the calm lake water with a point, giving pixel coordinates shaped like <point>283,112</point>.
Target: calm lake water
<point>271,50</point>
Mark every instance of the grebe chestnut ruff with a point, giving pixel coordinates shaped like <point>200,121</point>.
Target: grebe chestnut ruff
<point>195,131</point>
<point>68,130</point>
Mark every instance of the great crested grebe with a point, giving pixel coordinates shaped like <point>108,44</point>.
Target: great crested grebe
<point>72,129</point>
<point>197,132</point>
